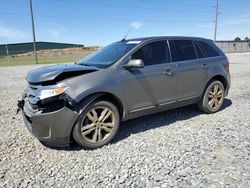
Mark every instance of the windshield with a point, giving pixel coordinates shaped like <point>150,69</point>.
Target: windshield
<point>108,55</point>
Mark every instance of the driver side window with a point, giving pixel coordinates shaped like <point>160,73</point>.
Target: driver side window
<point>153,53</point>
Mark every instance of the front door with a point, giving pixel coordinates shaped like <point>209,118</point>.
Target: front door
<point>153,85</point>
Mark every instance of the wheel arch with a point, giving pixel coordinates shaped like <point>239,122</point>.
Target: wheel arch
<point>107,96</point>
<point>84,102</point>
<point>113,99</point>
<point>201,104</point>
<point>220,78</point>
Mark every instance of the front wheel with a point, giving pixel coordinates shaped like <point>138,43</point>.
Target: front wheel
<point>213,97</point>
<point>97,125</point>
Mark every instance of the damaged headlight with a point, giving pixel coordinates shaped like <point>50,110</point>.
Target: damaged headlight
<point>51,92</point>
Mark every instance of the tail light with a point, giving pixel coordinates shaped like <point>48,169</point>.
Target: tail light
<point>227,66</point>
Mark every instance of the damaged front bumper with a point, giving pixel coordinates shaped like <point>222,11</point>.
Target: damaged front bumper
<point>51,127</point>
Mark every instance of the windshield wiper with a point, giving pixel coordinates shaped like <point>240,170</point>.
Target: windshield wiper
<point>83,64</point>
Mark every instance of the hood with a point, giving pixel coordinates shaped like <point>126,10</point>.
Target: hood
<point>56,73</point>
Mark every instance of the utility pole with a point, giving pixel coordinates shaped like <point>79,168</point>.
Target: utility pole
<point>7,52</point>
<point>216,20</point>
<point>33,31</point>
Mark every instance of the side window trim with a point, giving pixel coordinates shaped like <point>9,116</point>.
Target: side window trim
<point>148,49</point>
<point>169,52</point>
<point>196,53</point>
<point>203,51</point>
<point>175,51</point>
<point>196,45</point>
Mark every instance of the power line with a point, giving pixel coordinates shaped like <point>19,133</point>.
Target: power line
<point>131,7</point>
<point>143,1</point>
<point>175,3</point>
<point>107,19</point>
<point>230,11</point>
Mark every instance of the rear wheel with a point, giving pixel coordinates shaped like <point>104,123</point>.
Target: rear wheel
<point>97,125</point>
<point>213,97</point>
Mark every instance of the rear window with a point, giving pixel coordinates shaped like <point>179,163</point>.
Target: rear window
<point>209,50</point>
<point>182,50</point>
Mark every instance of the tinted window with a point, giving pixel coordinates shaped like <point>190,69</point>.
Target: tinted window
<point>182,50</point>
<point>210,51</point>
<point>200,53</point>
<point>153,53</point>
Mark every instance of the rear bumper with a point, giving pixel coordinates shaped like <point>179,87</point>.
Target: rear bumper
<point>53,128</point>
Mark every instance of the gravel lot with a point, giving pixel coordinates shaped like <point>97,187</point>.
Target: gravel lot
<point>180,148</point>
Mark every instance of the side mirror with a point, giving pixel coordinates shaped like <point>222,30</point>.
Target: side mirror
<point>134,63</point>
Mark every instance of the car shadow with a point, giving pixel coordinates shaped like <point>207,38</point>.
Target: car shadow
<point>160,119</point>
<point>149,122</point>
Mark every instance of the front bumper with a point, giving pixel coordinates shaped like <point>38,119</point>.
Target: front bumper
<point>53,128</point>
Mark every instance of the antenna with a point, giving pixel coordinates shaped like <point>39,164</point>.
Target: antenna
<point>126,34</point>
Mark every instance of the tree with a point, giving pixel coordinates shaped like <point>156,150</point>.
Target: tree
<point>247,39</point>
<point>237,39</point>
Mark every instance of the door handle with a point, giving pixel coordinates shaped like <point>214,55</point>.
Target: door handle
<point>204,66</point>
<point>168,71</point>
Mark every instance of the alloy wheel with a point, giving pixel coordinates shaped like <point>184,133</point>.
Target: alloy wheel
<point>215,96</point>
<point>98,124</point>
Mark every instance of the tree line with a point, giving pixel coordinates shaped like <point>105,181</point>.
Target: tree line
<point>238,39</point>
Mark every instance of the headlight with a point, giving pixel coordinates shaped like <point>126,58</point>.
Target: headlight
<point>46,93</point>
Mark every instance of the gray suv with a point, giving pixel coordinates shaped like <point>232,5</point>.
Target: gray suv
<point>86,101</point>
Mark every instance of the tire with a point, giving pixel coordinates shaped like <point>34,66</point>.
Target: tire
<point>97,125</point>
<point>212,99</point>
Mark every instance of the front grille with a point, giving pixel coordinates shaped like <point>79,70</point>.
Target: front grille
<point>31,95</point>
<point>31,90</point>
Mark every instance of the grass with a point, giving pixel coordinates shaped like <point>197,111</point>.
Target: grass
<point>31,61</point>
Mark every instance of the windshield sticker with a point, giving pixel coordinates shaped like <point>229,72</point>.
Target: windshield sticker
<point>133,42</point>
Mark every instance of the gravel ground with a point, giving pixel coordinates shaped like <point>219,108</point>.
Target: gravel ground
<point>179,148</point>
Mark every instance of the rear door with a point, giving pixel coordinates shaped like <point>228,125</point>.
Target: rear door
<point>191,68</point>
<point>153,85</point>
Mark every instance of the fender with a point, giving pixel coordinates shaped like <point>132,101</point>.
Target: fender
<point>81,106</point>
<point>222,75</point>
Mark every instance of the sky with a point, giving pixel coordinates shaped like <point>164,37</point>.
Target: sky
<point>100,22</point>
